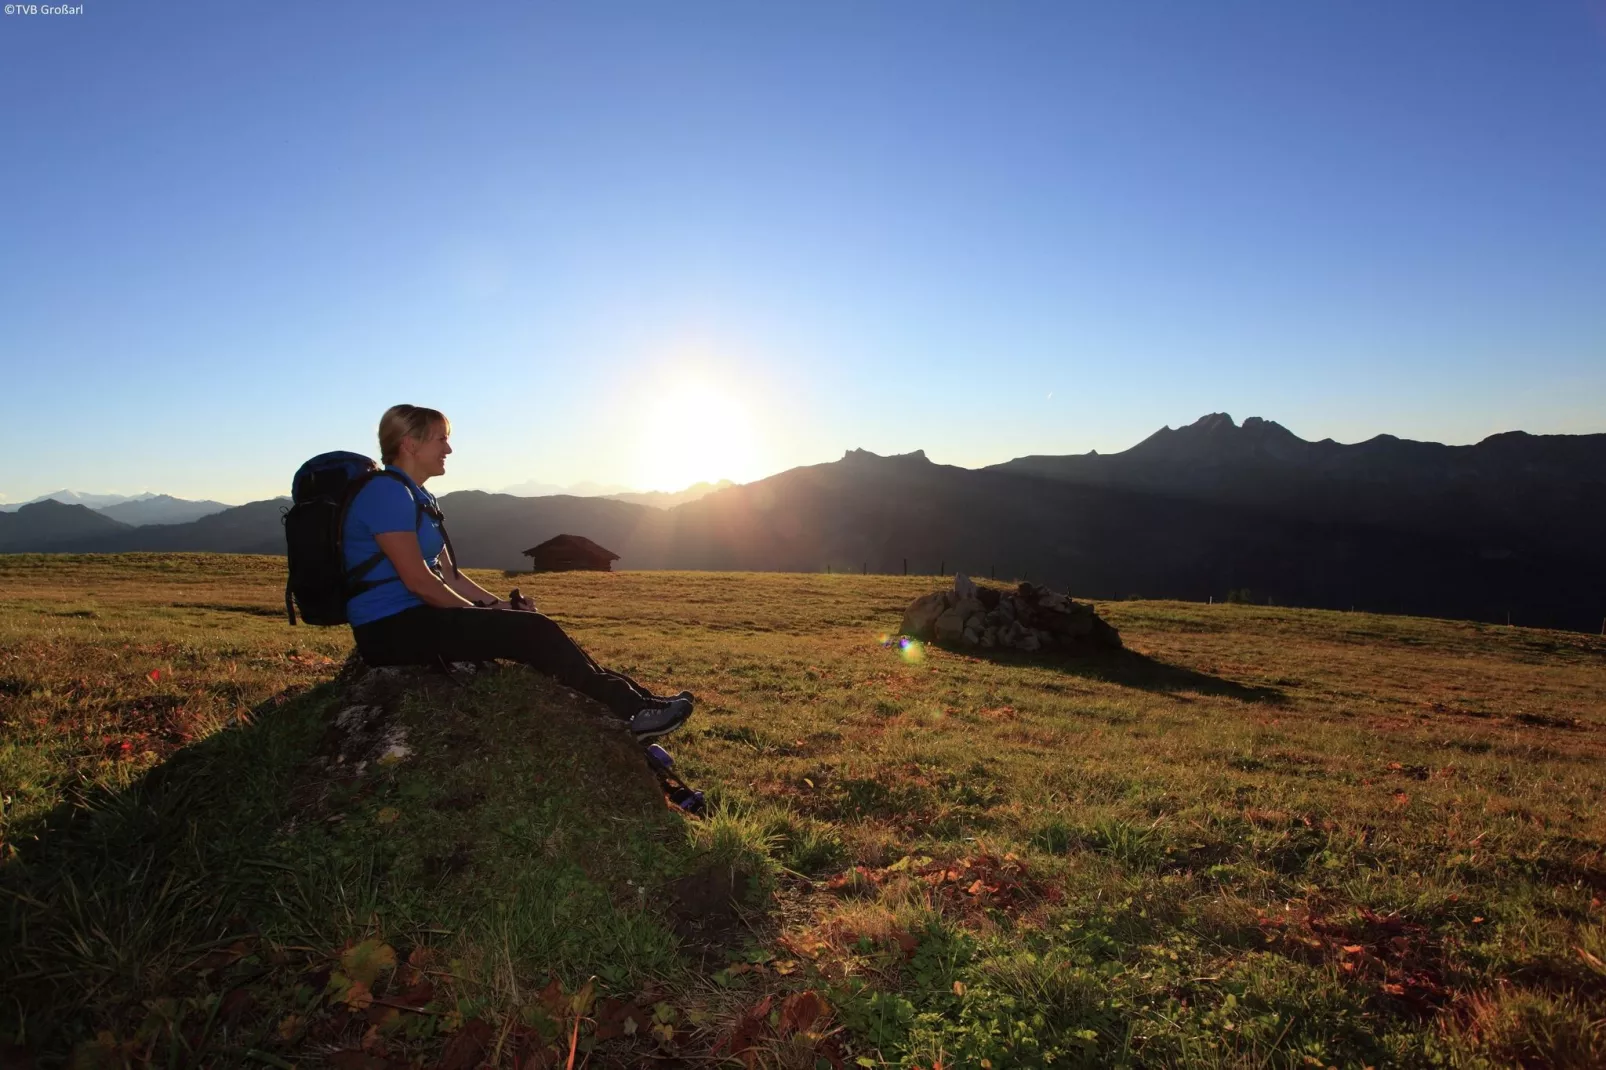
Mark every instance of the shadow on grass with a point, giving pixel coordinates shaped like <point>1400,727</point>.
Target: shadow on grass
<point>192,911</point>
<point>1127,668</point>
<point>113,901</point>
<point>229,607</point>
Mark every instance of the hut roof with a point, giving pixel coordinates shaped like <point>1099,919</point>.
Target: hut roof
<point>572,542</point>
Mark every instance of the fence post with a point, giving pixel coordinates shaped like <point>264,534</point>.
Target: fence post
<point>864,569</point>
<point>906,566</point>
<point>942,570</point>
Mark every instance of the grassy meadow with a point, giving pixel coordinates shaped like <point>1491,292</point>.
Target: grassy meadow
<point>1261,837</point>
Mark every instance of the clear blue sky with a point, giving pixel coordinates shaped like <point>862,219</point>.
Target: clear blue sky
<point>644,243</point>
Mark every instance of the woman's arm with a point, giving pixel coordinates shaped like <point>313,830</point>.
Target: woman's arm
<point>465,586</point>
<point>402,549</point>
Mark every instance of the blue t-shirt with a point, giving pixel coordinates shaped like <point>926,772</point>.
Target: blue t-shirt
<point>387,504</point>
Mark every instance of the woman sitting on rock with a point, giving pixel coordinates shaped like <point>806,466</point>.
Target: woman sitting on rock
<point>416,609</point>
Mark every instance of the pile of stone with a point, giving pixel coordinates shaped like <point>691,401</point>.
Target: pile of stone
<point>1029,618</point>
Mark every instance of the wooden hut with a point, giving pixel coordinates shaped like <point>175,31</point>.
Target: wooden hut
<point>566,553</point>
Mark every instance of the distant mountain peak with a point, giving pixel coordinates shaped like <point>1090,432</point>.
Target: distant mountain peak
<point>862,455</point>
<point>1216,422</point>
<point>1217,433</point>
<point>50,505</point>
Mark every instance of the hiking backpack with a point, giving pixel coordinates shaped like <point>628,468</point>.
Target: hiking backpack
<point>314,535</point>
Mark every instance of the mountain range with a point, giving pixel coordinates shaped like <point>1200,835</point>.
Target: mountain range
<point>134,510</point>
<point>1509,528</point>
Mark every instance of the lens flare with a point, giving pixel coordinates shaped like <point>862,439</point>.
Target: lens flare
<point>910,650</point>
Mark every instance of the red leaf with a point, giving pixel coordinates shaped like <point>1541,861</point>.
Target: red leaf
<point>799,1011</point>
<point>468,1046</point>
<point>753,1025</point>
<point>417,997</point>
<point>154,675</point>
<point>552,998</point>
<point>616,1018</point>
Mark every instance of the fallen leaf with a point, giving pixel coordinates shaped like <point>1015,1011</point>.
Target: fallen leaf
<point>616,1018</point>
<point>358,997</point>
<point>364,962</point>
<point>467,1048</point>
<point>551,997</point>
<point>581,1003</point>
<point>383,1019</point>
<point>417,997</point>
<point>799,1011</point>
<point>236,1004</point>
<point>742,1041</point>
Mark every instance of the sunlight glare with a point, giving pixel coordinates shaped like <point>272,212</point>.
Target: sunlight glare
<point>704,435</point>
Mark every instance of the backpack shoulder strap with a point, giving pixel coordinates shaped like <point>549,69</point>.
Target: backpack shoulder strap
<point>356,583</point>
<point>418,516</point>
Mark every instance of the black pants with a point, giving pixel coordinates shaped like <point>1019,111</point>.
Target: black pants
<point>427,635</point>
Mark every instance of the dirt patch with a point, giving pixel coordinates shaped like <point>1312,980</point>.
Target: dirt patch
<point>709,911</point>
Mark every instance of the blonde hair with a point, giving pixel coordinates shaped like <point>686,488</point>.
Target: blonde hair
<point>406,421</point>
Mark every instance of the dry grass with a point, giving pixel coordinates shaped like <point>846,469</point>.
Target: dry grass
<point>1267,837</point>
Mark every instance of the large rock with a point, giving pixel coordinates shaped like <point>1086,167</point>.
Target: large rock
<point>920,619</point>
<point>950,626</point>
<point>1029,618</point>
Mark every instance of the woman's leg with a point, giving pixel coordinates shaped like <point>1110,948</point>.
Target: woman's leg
<point>425,634</point>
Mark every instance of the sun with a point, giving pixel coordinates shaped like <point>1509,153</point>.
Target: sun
<point>700,433</point>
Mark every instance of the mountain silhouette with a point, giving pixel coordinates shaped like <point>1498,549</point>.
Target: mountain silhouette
<point>1489,532</point>
<point>159,509</point>
<point>43,523</point>
<point>1512,491</point>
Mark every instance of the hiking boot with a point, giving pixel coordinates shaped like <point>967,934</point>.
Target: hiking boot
<point>652,722</point>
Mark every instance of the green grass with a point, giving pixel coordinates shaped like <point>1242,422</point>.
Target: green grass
<point>1266,837</point>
